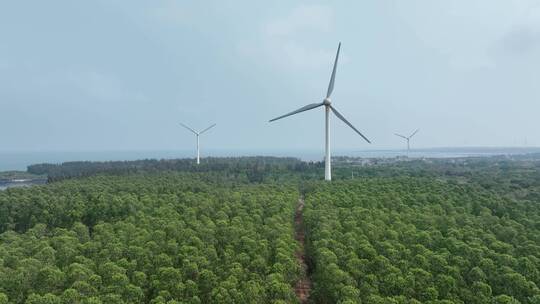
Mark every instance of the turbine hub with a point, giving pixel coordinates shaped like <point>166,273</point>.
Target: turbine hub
<point>327,102</point>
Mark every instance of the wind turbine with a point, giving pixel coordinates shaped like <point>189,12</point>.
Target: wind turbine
<point>197,134</point>
<point>327,107</point>
<point>408,139</point>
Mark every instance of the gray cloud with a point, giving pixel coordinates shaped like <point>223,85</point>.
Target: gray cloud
<point>520,40</point>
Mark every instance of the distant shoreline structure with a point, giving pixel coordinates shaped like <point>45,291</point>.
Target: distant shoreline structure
<point>468,149</point>
<point>449,152</point>
<point>16,183</point>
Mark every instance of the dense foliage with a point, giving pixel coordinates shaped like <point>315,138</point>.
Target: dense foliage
<point>414,239</point>
<point>148,238</point>
<point>432,231</point>
<point>255,168</point>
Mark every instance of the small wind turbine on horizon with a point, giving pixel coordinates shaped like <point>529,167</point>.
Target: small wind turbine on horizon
<point>197,134</point>
<point>408,139</point>
<point>327,107</point>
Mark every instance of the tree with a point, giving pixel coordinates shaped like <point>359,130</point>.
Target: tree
<point>45,299</point>
<point>504,299</point>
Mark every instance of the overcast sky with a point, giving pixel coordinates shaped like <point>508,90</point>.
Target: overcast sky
<point>120,75</point>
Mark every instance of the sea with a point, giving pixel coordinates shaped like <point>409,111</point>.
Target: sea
<point>19,161</point>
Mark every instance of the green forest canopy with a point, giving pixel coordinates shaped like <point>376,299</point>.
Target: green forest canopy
<point>169,232</point>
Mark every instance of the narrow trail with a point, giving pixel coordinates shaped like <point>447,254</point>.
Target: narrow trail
<point>303,286</point>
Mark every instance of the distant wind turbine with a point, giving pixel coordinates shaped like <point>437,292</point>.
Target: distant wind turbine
<point>327,107</point>
<point>408,139</point>
<point>197,134</point>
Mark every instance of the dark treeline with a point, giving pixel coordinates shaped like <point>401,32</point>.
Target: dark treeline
<point>261,168</point>
<point>256,168</point>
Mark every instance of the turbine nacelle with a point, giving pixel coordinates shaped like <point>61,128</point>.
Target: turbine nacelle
<point>327,102</point>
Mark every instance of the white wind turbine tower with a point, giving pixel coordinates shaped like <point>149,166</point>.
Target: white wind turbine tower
<point>197,134</point>
<point>408,139</point>
<point>327,107</point>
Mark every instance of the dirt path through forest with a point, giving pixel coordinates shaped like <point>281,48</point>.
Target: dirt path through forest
<point>303,286</point>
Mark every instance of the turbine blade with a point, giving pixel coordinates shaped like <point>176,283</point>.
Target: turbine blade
<point>333,77</point>
<point>183,125</point>
<point>348,123</point>
<point>302,109</point>
<point>400,135</point>
<point>414,133</point>
<point>207,129</point>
